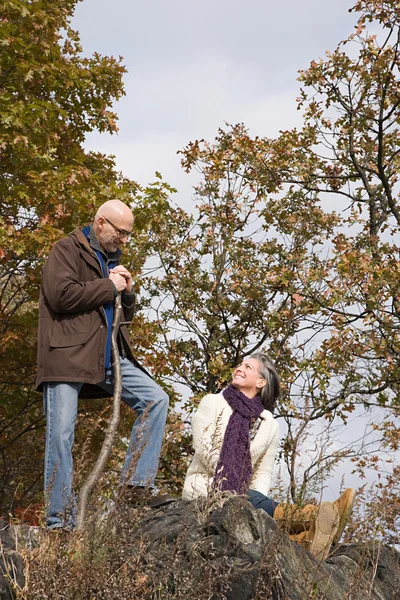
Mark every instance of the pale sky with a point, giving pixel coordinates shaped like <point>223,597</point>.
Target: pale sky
<point>193,66</point>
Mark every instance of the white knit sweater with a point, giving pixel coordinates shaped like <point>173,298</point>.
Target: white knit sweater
<point>209,424</point>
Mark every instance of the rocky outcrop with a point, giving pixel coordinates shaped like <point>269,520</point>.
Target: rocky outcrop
<point>239,553</point>
<point>204,551</point>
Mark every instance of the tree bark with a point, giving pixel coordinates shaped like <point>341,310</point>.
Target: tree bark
<point>113,425</point>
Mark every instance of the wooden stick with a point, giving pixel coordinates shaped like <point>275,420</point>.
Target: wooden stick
<point>108,442</point>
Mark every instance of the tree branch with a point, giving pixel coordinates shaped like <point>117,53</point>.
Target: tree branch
<point>113,425</point>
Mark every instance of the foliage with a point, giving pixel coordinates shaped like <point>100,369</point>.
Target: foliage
<point>292,248</point>
<point>50,98</point>
<point>376,513</point>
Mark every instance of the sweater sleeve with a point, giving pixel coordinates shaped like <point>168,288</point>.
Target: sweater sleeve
<point>61,285</point>
<point>262,475</point>
<point>206,434</point>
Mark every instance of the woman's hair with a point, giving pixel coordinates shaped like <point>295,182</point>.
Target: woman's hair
<point>270,392</point>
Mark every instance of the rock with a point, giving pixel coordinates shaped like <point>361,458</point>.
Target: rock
<point>242,554</point>
<point>12,571</point>
<point>203,550</point>
<point>12,566</point>
<point>12,563</point>
<point>376,567</point>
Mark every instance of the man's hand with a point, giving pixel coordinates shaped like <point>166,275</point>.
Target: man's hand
<point>118,281</point>
<point>121,273</point>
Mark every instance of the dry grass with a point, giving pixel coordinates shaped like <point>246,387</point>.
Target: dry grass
<point>114,558</point>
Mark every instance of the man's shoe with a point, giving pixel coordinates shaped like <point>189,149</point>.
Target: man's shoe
<point>142,495</point>
<point>344,505</point>
<point>134,494</point>
<point>61,530</point>
<point>161,500</point>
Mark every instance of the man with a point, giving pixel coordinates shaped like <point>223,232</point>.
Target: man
<point>81,279</point>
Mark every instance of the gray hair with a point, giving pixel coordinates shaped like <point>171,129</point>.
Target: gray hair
<point>270,392</point>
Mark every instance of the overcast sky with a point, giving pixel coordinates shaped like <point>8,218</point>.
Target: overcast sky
<point>194,65</point>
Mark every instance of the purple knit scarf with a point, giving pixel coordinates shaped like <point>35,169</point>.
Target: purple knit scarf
<point>234,468</point>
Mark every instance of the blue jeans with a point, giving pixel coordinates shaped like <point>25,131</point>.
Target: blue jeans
<point>258,500</point>
<point>139,392</point>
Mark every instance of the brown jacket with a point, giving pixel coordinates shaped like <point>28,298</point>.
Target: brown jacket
<point>72,321</point>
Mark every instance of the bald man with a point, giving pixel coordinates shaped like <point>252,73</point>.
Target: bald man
<point>80,281</point>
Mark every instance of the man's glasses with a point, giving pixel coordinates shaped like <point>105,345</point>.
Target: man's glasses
<point>121,232</point>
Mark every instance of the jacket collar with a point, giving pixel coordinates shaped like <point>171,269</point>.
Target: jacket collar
<point>87,253</point>
<point>81,239</point>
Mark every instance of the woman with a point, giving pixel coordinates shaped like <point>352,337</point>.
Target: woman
<point>236,440</point>
<point>236,437</point>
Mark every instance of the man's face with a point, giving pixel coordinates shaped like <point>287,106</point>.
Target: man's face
<point>112,233</point>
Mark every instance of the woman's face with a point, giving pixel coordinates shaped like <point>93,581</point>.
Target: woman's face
<point>247,378</point>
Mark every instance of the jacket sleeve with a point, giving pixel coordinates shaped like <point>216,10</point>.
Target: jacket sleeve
<point>61,285</point>
<point>262,475</point>
<point>206,434</point>
<point>128,305</point>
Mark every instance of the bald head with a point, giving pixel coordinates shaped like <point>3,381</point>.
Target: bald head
<point>115,209</point>
<point>113,224</point>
